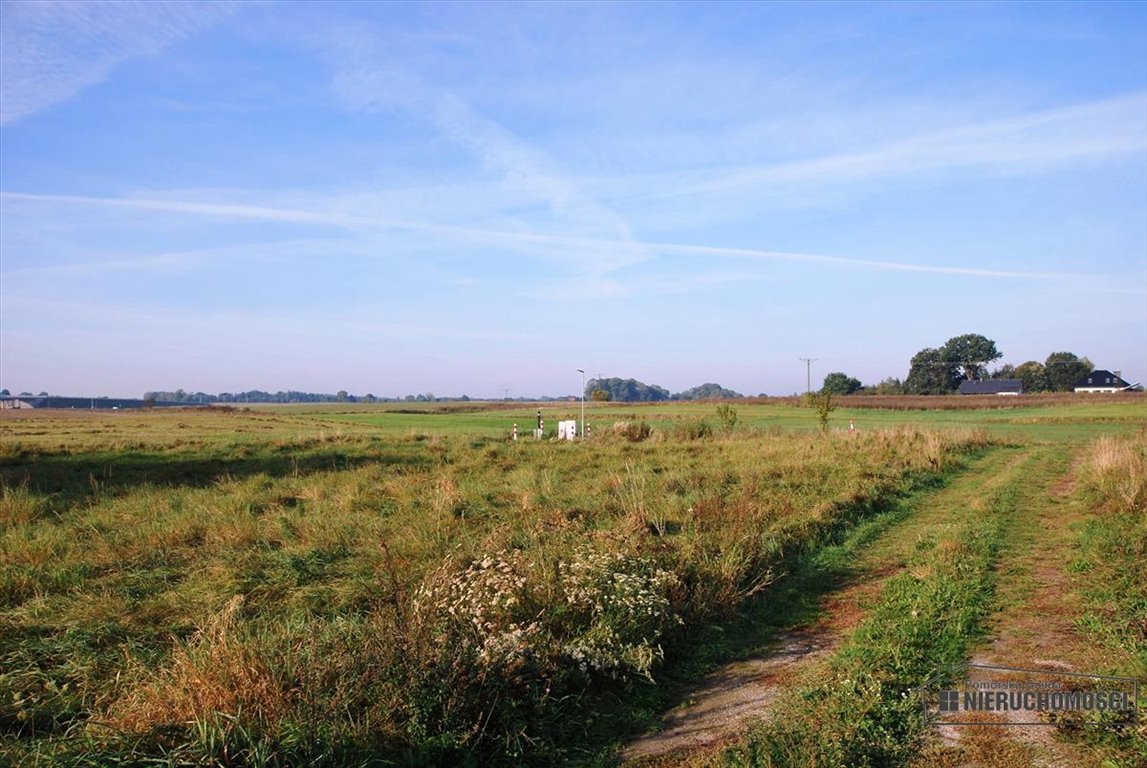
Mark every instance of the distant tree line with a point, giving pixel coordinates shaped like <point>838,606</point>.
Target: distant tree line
<point>294,396</point>
<point>619,390</point>
<point>290,396</point>
<point>932,371</point>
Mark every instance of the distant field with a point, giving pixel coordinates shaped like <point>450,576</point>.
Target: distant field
<point>1045,417</point>
<point>1053,417</point>
<point>399,584</point>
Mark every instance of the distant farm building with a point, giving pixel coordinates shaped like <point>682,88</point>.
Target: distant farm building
<point>1102,381</point>
<point>992,387</point>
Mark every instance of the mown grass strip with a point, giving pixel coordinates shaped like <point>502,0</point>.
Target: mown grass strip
<point>859,711</point>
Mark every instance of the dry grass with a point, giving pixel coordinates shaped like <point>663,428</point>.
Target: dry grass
<point>1116,469</point>
<point>216,671</point>
<point>265,583</point>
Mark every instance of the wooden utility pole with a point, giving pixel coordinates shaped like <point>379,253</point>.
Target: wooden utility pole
<point>808,373</point>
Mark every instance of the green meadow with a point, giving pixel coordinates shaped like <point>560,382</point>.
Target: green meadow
<point>401,585</point>
<point>1051,417</point>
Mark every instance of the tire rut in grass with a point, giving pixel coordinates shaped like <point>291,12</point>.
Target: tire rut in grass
<point>1034,628</point>
<point>726,699</point>
<point>926,618</point>
<point>723,704</point>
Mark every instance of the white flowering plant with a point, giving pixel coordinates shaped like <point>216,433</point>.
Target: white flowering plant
<point>498,641</point>
<point>607,614</point>
<point>486,613</point>
<point>617,608</point>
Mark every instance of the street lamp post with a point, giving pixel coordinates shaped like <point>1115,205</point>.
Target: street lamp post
<point>582,372</point>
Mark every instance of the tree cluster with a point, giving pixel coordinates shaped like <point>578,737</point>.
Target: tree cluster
<point>619,390</point>
<point>939,370</point>
<point>626,391</point>
<point>707,391</point>
<point>838,383</point>
<point>1059,373</point>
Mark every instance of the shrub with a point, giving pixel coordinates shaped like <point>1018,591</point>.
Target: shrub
<point>636,432</point>
<point>633,431</point>
<point>824,407</point>
<point>727,416</point>
<point>693,429</point>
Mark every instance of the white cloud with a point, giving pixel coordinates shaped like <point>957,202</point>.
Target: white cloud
<point>49,51</point>
<point>1039,140</point>
<point>583,248</point>
<point>365,82</point>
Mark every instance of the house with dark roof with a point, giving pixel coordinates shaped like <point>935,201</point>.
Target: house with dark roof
<point>992,387</point>
<point>1101,381</point>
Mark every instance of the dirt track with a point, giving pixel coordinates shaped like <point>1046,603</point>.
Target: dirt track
<point>1033,628</point>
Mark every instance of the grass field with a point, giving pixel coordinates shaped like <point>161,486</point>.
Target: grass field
<point>1045,417</point>
<point>349,585</point>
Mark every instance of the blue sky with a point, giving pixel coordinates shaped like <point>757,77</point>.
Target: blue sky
<point>474,198</point>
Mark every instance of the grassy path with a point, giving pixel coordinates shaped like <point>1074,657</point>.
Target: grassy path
<point>825,599</point>
<point>980,570</point>
<point>1035,626</point>
<point>986,576</point>
<point>928,616</point>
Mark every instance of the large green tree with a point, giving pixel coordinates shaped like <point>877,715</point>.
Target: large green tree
<point>971,353</point>
<point>1064,369</point>
<point>838,383</point>
<point>931,373</point>
<point>1032,375</point>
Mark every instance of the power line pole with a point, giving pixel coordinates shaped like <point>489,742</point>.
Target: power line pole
<point>808,361</point>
